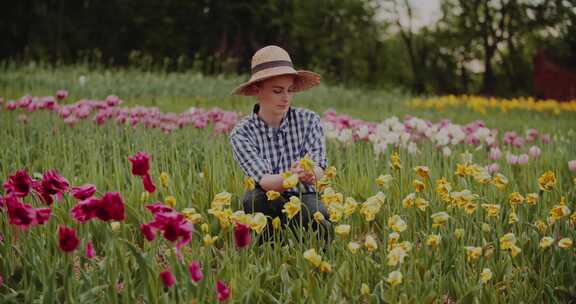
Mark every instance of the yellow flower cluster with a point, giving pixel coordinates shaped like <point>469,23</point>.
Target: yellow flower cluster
<point>484,104</point>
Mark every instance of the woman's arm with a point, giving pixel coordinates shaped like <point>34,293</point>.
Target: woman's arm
<point>271,182</point>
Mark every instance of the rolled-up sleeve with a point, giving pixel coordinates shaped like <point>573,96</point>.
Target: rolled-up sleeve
<point>246,155</point>
<point>316,142</point>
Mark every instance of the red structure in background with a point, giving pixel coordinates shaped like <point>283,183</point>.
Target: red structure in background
<point>552,81</point>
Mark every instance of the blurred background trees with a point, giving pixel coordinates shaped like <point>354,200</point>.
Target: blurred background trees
<point>476,46</point>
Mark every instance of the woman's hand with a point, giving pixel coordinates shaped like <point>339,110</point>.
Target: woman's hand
<point>306,177</point>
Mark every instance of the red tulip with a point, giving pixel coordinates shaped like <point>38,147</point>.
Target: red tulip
<point>223,291</point>
<point>85,210</point>
<point>148,232</point>
<point>174,227</point>
<point>158,207</point>
<point>90,250</point>
<point>61,94</point>
<point>110,207</point>
<point>242,235</point>
<point>19,184</point>
<point>167,278</point>
<point>54,183</point>
<point>148,183</point>
<point>140,163</point>
<point>83,192</point>
<point>43,193</point>
<point>67,239</point>
<point>195,271</point>
<point>25,215</point>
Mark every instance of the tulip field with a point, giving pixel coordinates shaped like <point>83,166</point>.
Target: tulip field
<point>119,186</point>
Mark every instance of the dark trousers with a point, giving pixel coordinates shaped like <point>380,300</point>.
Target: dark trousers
<point>256,201</point>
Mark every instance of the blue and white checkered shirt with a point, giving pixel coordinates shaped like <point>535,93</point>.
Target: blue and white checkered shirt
<point>260,149</point>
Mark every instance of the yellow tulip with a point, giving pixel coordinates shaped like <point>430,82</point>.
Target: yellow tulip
<point>290,181</point>
<point>546,242</point>
<point>314,258</point>
<point>384,181</point>
<point>485,275</point>
<point>276,223</point>
<point>209,240</point>
<point>272,195</point>
<point>164,179</point>
<point>439,219</point>
<point>342,230</point>
<point>365,290</point>
<point>292,207</point>
<point>307,163</point>
<point>396,223</point>
<point>394,278</point>
<point>170,201</point>
<point>422,171</point>
<point>318,217</point>
<point>258,222</point>
<point>221,199</point>
<point>249,183</point>
<point>433,240</point>
<point>353,247</point>
<point>547,181</point>
<point>370,243</point>
<point>396,256</point>
<point>473,253</point>
<point>325,267</point>
<point>565,243</point>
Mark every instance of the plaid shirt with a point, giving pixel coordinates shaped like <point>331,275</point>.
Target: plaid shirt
<point>260,149</point>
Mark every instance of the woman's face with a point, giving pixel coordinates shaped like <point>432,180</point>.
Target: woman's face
<point>275,94</point>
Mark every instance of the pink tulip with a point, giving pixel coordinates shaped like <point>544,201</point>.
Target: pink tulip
<point>546,139</point>
<point>531,135</point>
<point>61,94</point>
<point>83,192</point>
<point>572,165</point>
<point>167,278</point>
<point>512,159</point>
<point>493,168</point>
<point>20,183</point>
<point>223,291</point>
<point>523,159</point>
<point>195,271</point>
<point>495,153</point>
<point>90,250</point>
<point>534,151</point>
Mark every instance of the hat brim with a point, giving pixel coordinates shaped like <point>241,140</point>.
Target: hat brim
<point>303,80</point>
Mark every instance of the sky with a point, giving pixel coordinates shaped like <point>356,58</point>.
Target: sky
<point>426,12</point>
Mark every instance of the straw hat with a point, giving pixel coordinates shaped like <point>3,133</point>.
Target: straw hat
<point>273,61</point>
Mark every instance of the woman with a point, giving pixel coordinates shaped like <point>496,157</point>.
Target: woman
<point>275,137</point>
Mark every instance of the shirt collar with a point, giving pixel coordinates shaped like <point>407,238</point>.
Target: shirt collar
<point>264,126</point>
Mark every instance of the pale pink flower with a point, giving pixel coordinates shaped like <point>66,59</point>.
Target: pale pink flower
<point>495,153</point>
<point>534,151</point>
<point>572,165</point>
<point>523,159</point>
